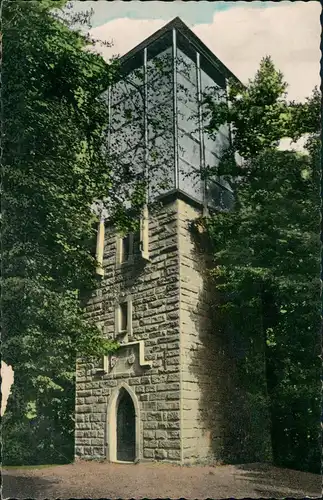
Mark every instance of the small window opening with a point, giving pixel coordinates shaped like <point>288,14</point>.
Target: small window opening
<point>136,243</point>
<point>124,317</point>
<point>125,248</point>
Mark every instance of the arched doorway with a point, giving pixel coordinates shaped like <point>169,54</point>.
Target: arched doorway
<point>126,427</point>
<point>112,422</point>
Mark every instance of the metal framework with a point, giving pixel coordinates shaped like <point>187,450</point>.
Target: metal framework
<point>175,114</point>
<point>200,124</point>
<point>139,57</point>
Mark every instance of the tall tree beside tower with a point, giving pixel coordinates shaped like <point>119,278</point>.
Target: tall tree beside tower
<point>267,255</point>
<point>53,169</point>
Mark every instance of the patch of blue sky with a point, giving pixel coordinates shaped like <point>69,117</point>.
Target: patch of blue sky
<point>192,13</point>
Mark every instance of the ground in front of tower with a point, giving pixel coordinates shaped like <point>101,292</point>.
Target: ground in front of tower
<point>158,480</point>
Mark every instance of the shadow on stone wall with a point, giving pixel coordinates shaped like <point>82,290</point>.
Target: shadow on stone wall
<point>234,416</point>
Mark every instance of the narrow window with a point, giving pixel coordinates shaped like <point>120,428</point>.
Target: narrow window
<point>100,247</point>
<point>125,248</point>
<point>123,317</point>
<point>123,320</point>
<point>136,243</point>
<point>144,223</point>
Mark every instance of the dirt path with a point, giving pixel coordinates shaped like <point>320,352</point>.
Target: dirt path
<point>152,480</point>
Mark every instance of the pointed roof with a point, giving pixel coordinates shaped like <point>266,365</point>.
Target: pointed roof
<point>191,38</point>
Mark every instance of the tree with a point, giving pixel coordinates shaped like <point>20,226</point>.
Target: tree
<point>54,167</point>
<point>266,255</point>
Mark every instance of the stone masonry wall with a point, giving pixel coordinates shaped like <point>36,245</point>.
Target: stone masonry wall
<point>154,288</point>
<point>195,437</point>
<point>217,423</point>
<point>205,367</point>
<point>189,398</point>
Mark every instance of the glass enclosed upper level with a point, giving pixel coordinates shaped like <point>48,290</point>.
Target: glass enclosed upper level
<point>156,117</point>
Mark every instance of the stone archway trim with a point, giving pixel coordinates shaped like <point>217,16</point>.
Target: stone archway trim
<point>111,445</point>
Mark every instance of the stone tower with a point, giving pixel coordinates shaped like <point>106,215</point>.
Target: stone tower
<point>165,394</point>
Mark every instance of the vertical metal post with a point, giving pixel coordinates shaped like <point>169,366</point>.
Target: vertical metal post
<point>200,125</point>
<point>175,109</point>
<point>229,106</point>
<point>109,117</point>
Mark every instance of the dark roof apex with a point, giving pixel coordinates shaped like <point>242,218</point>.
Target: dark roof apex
<point>179,25</point>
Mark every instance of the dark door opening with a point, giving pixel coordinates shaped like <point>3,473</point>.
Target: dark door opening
<point>126,428</point>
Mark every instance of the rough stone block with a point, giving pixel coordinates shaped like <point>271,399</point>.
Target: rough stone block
<point>96,442</point>
<point>174,454</point>
<point>161,434</point>
<point>151,425</point>
<point>134,381</point>
<point>149,434</point>
<point>173,395</point>
<point>160,454</point>
<point>172,415</point>
<point>150,443</point>
<point>149,453</point>
<point>154,415</point>
<point>98,452</point>
<point>91,399</point>
<point>150,405</point>
<point>169,425</point>
<point>156,396</point>
<point>169,443</point>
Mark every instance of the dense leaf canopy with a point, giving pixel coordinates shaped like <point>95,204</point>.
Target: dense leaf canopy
<point>266,255</point>
<point>53,169</point>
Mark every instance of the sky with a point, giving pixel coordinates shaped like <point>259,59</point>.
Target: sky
<point>239,33</point>
<point>7,377</point>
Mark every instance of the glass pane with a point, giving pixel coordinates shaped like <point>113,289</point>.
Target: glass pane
<point>125,89</point>
<point>213,161</point>
<point>124,112</point>
<point>160,64</point>
<point>210,159</point>
<point>134,158</point>
<point>186,67</point>
<point>186,92</point>
<point>219,197</point>
<point>213,194</point>
<point>161,164</point>
<point>159,90</point>
<point>209,86</point>
<point>190,179</point>
<point>160,119</point>
<point>161,148</point>
<point>188,120</point>
<point>129,136</point>
<point>136,77</point>
<point>218,144</point>
<point>189,149</point>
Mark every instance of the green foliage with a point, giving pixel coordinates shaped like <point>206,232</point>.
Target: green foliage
<point>54,167</point>
<point>267,260</point>
<point>258,114</point>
